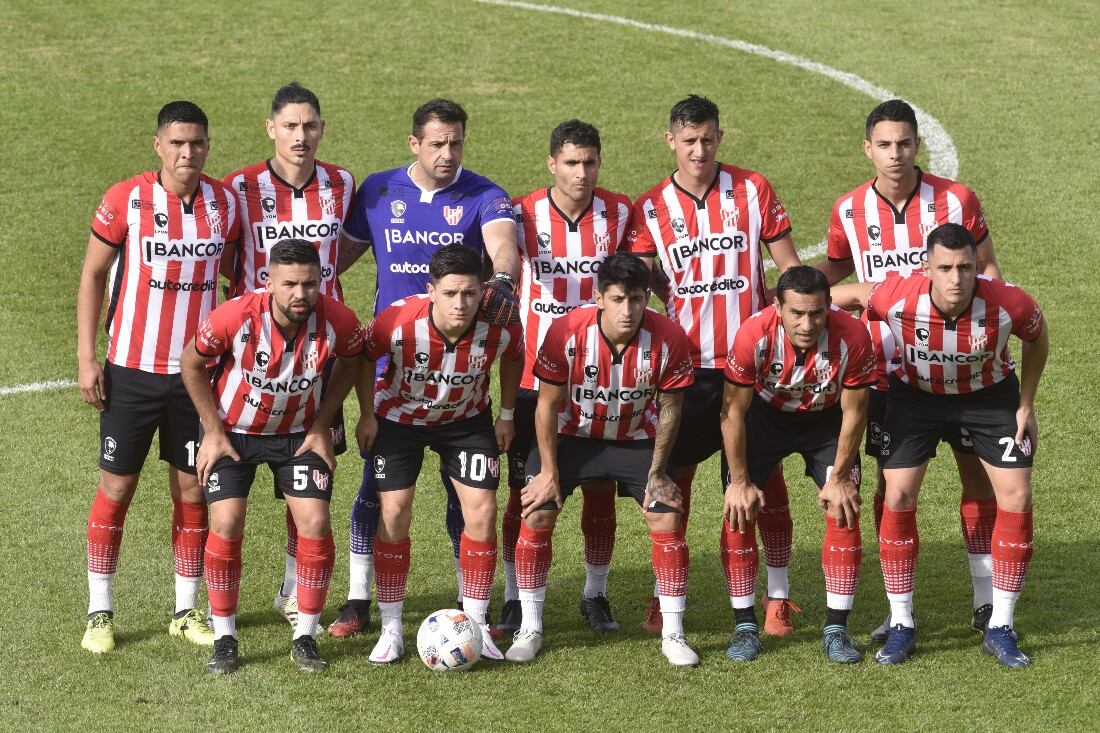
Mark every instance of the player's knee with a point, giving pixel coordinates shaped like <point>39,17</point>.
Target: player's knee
<point>662,521</point>
<point>542,519</point>
<point>227,519</point>
<point>1015,496</point>
<point>313,521</point>
<point>185,486</point>
<point>119,488</point>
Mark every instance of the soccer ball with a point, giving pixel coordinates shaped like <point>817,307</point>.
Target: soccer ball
<point>449,640</point>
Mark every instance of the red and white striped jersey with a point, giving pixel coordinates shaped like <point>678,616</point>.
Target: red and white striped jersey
<point>263,383</point>
<point>272,210</point>
<point>881,240</point>
<point>559,259</point>
<point>710,251</point>
<point>959,356</point>
<point>164,279</point>
<point>429,380</point>
<point>794,381</point>
<point>611,396</point>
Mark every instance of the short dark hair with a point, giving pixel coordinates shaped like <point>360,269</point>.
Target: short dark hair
<point>893,110</point>
<point>182,111</point>
<point>294,252</point>
<point>454,259</point>
<point>804,280</point>
<point>444,110</point>
<point>693,110</point>
<point>293,93</point>
<point>580,134</point>
<point>625,270</point>
<point>951,236</point>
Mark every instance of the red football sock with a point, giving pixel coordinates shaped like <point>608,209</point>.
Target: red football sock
<point>316,556</point>
<point>534,552</point>
<point>188,537</point>
<point>105,522</point>
<point>978,517</point>
<point>509,526</point>
<point>898,547</point>
<point>776,526</point>
<point>739,560</point>
<point>879,502</point>
<point>391,569</point>
<point>223,574</point>
<point>291,535</point>
<point>669,555</point>
<point>841,554</point>
<point>478,561</point>
<point>1012,548</point>
<point>598,525</point>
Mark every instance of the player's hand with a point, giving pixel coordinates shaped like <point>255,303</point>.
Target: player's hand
<point>505,431</point>
<point>742,502</point>
<point>538,491</point>
<point>366,431</point>
<point>840,497</point>
<point>320,442</point>
<point>93,389</point>
<point>499,305</point>
<point>661,488</point>
<point>1027,430</point>
<point>214,447</point>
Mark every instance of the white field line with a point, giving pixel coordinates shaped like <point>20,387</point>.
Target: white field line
<point>37,387</point>
<point>942,155</point>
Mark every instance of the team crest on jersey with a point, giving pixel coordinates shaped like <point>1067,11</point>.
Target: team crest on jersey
<point>644,376</point>
<point>453,214</point>
<point>309,359</point>
<point>328,204</point>
<point>926,228</point>
<point>873,233</point>
<point>823,373</point>
<point>730,217</point>
<point>267,203</point>
<point>978,341</point>
<point>603,243</point>
<point>478,361</point>
<point>214,220</point>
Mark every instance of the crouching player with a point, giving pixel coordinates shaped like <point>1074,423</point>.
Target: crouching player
<point>795,383</point>
<point>263,405</point>
<point>434,394</point>
<point>956,374</point>
<point>608,408</point>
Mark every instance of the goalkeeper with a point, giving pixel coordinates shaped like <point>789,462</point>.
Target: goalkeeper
<point>404,215</point>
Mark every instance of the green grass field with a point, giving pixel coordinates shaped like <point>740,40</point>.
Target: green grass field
<point>1016,88</point>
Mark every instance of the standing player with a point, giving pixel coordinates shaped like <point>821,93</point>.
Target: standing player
<point>435,394</point>
<point>159,239</point>
<point>272,347</point>
<point>565,232</point>
<point>706,222</point>
<point>292,194</point>
<point>955,373</point>
<point>878,230</point>
<point>795,382</point>
<point>609,404</point>
<point>404,215</point>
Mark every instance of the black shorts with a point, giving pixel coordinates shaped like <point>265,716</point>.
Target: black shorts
<point>137,405</point>
<point>306,476</point>
<point>524,440</point>
<point>467,452</point>
<point>916,421</point>
<point>959,439</point>
<point>700,435</point>
<point>771,435</point>
<point>587,459</point>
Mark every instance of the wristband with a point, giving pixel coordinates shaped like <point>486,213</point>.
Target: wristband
<point>504,276</point>
<point>506,414</point>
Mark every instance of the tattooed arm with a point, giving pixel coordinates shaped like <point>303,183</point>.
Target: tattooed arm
<point>660,487</point>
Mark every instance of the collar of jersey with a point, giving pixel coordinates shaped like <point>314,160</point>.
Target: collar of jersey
<point>426,196</point>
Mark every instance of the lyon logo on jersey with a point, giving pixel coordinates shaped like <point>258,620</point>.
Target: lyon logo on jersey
<point>453,214</point>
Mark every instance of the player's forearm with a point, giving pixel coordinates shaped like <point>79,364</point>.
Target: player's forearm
<point>853,405</point>
<point>783,253</point>
<point>197,382</point>
<point>1033,359</point>
<point>668,425</point>
<point>836,270</point>
<point>851,296</point>
<point>364,386</point>
<point>89,305</point>
<point>504,252</point>
<point>511,371</point>
<point>733,431</point>
<point>228,264</point>
<point>349,250</point>
<point>987,261</point>
<point>546,430</point>
<point>344,374</point>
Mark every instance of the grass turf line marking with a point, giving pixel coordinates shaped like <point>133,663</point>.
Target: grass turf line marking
<point>37,387</point>
<point>943,157</point>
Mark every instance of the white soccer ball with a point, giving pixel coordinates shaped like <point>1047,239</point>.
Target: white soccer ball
<point>449,640</point>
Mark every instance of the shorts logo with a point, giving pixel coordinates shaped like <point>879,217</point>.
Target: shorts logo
<point>603,243</point>
<point>922,334</point>
<point>262,358</point>
<point>320,480</point>
<point>161,220</point>
<point>213,483</point>
<point>591,371</point>
<point>452,214</point>
<point>379,466</point>
<point>874,232</point>
<point>730,217</point>
<point>397,207</point>
<point>110,445</point>
<point>267,204</point>
<point>494,466</point>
